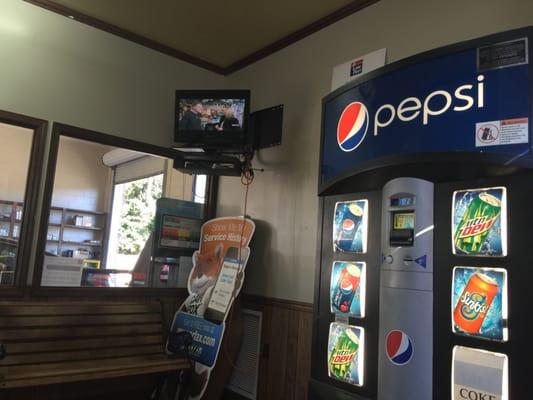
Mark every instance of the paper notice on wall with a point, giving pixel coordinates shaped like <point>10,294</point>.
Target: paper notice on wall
<point>61,271</point>
<point>357,67</point>
<point>499,133</point>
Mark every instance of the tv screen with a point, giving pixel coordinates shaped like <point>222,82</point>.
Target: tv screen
<point>211,119</point>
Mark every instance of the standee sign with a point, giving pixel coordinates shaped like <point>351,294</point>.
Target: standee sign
<point>459,102</point>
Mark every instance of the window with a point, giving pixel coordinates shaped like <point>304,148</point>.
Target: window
<point>102,207</point>
<point>21,138</point>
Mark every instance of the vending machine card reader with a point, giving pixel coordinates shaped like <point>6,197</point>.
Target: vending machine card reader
<point>406,291</point>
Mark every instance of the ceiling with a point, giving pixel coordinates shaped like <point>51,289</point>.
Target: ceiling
<point>221,35</point>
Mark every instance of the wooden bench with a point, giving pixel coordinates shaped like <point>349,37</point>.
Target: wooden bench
<point>58,342</point>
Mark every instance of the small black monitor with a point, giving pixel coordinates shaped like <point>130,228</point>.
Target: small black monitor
<point>211,119</point>
<point>266,127</point>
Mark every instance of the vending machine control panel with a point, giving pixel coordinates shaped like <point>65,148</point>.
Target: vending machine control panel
<point>406,291</point>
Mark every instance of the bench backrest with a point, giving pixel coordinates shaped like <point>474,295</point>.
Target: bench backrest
<point>52,334</point>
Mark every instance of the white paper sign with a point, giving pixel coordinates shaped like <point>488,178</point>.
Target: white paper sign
<point>498,133</point>
<point>479,374</point>
<point>357,67</point>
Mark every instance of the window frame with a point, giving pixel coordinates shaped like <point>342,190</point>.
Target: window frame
<point>31,198</point>
<point>59,130</point>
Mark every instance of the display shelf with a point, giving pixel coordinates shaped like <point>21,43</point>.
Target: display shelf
<point>86,228</point>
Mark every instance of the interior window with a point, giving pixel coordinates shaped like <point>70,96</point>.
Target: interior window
<point>14,166</point>
<point>102,214</point>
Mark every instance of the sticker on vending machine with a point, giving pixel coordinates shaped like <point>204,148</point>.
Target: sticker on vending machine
<point>347,288</point>
<point>479,374</point>
<point>479,302</point>
<point>346,353</point>
<point>350,226</point>
<point>479,222</point>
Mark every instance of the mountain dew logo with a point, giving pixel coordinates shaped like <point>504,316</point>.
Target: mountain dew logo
<point>343,354</point>
<point>476,226</point>
<point>472,305</point>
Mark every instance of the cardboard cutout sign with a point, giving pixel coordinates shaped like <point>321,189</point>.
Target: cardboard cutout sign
<point>215,281</point>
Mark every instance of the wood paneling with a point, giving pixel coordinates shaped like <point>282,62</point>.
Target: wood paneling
<point>285,363</point>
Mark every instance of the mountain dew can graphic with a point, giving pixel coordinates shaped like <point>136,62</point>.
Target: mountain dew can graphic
<point>345,348</point>
<point>478,231</point>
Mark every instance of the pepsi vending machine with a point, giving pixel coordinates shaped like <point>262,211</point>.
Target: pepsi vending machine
<point>426,186</point>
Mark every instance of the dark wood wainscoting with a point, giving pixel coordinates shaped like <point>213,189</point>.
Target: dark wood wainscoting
<point>285,364</point>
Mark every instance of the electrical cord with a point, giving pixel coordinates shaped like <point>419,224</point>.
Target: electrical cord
<point>247,178</point>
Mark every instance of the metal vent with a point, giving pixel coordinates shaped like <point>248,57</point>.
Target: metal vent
<point>246,372</point>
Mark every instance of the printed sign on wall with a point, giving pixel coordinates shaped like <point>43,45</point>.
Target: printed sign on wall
<point>214,282</point>
<point>479,374</point>
<point>346,353</point>
<point>347,288</point>
<point>479,302</point>
<point>350,226</point>
<point>479,222</point>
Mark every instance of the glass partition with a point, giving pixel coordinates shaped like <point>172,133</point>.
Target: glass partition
<point>101,215</point>
<point>15,161</point>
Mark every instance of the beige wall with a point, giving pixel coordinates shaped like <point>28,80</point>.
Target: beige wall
<point>14,161</point>
<point>82,181</point>
<point>283,198</point>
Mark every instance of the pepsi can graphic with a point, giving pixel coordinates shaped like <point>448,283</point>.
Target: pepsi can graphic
<point>347,289</point>
<point>350,226</point>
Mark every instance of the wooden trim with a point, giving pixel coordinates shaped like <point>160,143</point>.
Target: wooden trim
<point>59,130</point>
<point>33,179</point>
<point>279,303</point>
<point>280,44</point>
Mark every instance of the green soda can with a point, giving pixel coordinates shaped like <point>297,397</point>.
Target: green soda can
<point>343,354</point>
<point>480,216</point>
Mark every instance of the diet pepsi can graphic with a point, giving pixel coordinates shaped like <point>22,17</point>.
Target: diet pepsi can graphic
<point>399,347</point>
<point>479,374</point>
<point>479,222</point>
<point>347,289</point>
<point>479,302</point>
<point>346,353</point>
<point>350,226</point>
<point>352,126</point>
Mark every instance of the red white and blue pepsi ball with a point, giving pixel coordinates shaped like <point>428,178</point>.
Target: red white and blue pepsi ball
<point>399,347</point>
<point>352,126</point>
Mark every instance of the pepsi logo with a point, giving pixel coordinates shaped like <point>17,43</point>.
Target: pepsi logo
<point>352,126</point>
<point>399,347</point>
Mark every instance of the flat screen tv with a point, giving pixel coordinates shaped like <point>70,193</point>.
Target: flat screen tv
<point>212,119</point>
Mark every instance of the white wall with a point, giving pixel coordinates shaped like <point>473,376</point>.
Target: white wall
<point>57,69</point>
<point>61,70</point>
<point>283,198</point>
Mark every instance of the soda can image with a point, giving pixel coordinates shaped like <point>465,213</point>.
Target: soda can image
<point>345,288</point>
<point>479,223</point>
<point>480,299</point>
<point>345,353</point>
<point>349,228</point>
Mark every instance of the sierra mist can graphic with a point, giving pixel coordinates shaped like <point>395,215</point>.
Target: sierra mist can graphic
<point>343,354</point>
<point>474,303</point>
<point>477,222</point>
<point>345,288</point>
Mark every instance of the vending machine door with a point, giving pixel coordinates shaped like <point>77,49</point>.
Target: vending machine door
<point>406,291</point>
